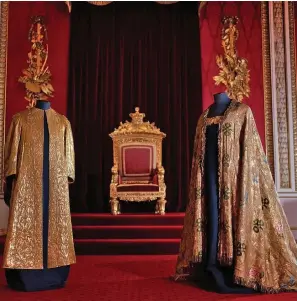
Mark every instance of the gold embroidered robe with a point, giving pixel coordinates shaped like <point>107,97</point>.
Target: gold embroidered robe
<point>24,159</point>
<point>254,235</point>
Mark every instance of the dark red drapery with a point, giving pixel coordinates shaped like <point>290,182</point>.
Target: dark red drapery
<point>129,54</point>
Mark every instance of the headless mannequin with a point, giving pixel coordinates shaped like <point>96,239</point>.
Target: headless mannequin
<point>221,103</point>
<point>222,277</point>
<point>43,105</point>
<point>45,279</point>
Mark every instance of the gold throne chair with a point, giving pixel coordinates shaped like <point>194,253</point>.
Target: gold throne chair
<point>137,172</point>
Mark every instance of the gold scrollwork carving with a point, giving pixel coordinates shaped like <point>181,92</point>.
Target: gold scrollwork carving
<point>281,94</point>
<point>292,38</point>
<point>267,85</point>
<point>99,3</point>
<point>3,73</point>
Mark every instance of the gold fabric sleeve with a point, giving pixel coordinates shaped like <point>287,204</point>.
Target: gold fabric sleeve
<point>12,148</point>
<point>69,152</point>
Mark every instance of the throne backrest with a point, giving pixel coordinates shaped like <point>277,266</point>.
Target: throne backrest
<point>137,161</point>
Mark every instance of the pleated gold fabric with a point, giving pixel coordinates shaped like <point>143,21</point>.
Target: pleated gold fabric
<point>254,234</point>
<point>24,159</point>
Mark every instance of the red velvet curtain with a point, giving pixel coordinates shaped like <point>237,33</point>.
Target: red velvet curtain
<point>129,54</point>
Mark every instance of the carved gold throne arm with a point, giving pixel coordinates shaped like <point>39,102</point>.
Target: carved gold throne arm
<point>160,206</point>
<point>115,174</point>
<point>160,173</point>
<point>114,182</point>
<point>115,209</point>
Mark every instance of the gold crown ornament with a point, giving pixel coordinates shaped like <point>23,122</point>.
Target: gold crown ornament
<point>37,76</point>
<point>137,117</point>
<point>234,73</point>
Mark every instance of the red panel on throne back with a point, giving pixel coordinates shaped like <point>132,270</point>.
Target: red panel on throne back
<point>249,46</point>
<point>137,160</point>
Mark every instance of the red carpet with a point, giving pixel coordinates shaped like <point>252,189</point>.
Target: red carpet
<point>127,278</point>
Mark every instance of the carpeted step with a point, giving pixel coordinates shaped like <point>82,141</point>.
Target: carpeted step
<point>87,219</point>
<point>121,246</point>
<point>126,232</point>
<point>102,234</point>
<point>126,246</point>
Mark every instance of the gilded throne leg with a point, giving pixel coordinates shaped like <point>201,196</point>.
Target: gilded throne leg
<point>160,206</point>
<point>115,206</point>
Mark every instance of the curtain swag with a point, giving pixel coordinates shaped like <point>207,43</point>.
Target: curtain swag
<point>102,3</point>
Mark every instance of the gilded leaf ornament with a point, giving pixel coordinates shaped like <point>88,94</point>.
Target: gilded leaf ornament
<point>37,76</point>
<point>234,73</point>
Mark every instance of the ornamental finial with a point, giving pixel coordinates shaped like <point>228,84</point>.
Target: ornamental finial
<point>137,117</point>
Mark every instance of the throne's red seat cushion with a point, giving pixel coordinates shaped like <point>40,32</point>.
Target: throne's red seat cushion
<point>138,162</point>
<point>137,187</point>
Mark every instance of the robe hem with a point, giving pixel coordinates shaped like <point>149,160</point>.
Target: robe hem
<point>37,267</point>
<point>250,283</point>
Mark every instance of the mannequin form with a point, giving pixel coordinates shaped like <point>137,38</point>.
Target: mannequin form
<point>45,105</point>
<point>221,103</point>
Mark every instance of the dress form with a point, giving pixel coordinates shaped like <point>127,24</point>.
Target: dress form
<point>221,103</point>
<point>222,277</point>
<point>43,105</point>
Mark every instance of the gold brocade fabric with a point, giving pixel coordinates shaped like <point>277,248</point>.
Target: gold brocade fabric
<point>24,159</point>
<point>254,235</point>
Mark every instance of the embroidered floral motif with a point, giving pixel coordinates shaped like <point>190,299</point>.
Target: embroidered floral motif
<point>265,203</point>
<point>256,179</point>
<point>226,160</point>
<point>291,282</point>
<point>256,273</point>
<point>225,227</point>
<point>200,225</point>
<point>258,225</point>
<point>200,161</point>
<point>198,193</point>
<point>227,129</point>
<point>279,229</point>
<point>226,193</point>
<point>240,248</point>
<point>244,200</point>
